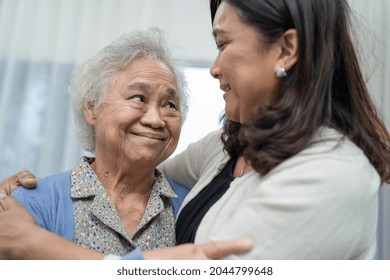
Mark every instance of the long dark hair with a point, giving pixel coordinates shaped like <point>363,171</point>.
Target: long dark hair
<point>325,87</point>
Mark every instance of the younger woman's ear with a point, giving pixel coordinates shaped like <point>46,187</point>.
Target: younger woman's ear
<point>289,49</point>
<point>89,112</point>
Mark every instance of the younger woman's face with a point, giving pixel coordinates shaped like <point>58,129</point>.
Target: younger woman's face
<point>245,65</point>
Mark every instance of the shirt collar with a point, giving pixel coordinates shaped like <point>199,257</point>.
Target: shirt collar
<point>85,182</point>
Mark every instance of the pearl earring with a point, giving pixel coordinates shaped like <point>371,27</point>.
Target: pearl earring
<point>281,73</point>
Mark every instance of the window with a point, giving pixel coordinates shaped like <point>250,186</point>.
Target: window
<point>206,106</point>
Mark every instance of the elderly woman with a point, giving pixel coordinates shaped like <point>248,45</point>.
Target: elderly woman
<point>129,104</point>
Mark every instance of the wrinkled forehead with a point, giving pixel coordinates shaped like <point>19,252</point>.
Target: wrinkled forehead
<point>150,70</point>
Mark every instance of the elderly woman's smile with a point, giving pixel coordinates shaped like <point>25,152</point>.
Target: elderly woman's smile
<point>148,135</point>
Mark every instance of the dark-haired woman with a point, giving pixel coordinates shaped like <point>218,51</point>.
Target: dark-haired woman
<point>302,153</point>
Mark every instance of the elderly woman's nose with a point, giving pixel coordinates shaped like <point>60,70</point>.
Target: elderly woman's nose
<point>152,118</point>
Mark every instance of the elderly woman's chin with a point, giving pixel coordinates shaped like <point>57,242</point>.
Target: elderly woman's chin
<point>146,151</point>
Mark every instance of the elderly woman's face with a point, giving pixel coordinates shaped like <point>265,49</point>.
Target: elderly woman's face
<point>141,116</point>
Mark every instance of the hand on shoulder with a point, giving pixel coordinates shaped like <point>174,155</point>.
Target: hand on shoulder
<point>22,178</point>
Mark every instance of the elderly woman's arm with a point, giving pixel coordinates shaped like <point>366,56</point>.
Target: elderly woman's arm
<point>20,238</point>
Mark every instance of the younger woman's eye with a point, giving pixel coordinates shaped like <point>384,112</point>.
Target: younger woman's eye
<point>219,45</point>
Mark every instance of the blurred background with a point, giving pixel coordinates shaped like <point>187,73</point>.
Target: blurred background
<point>41,41</point>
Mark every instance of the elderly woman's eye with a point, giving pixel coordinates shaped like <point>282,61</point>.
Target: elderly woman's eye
<point>137,98</point>
<point>171,105</point>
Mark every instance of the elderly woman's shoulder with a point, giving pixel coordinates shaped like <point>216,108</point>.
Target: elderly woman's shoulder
<point>58,179</point>
<point>47,186</point>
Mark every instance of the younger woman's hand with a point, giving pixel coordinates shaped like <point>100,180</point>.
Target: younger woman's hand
<point>207,251</point>
<point>22,178</point>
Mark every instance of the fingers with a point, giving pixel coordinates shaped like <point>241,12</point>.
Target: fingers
<point>6,202</point>
<point>9,184</point>
<point>25,178</point>
<point>206,251</point>
<point>12,210</point>
<point>2,201</point>
<point>220,249</point>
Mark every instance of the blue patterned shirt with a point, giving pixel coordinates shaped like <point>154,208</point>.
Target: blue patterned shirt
<point>75,205</point>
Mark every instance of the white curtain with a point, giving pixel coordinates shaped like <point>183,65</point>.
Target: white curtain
<point>41,41</point>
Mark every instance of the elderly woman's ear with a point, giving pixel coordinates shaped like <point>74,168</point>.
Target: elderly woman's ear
<point>89,112</point>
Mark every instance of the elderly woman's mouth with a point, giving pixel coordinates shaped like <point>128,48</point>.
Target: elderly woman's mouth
<point>153,136</point>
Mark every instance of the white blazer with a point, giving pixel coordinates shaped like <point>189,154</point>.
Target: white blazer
<point>320,204</point>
